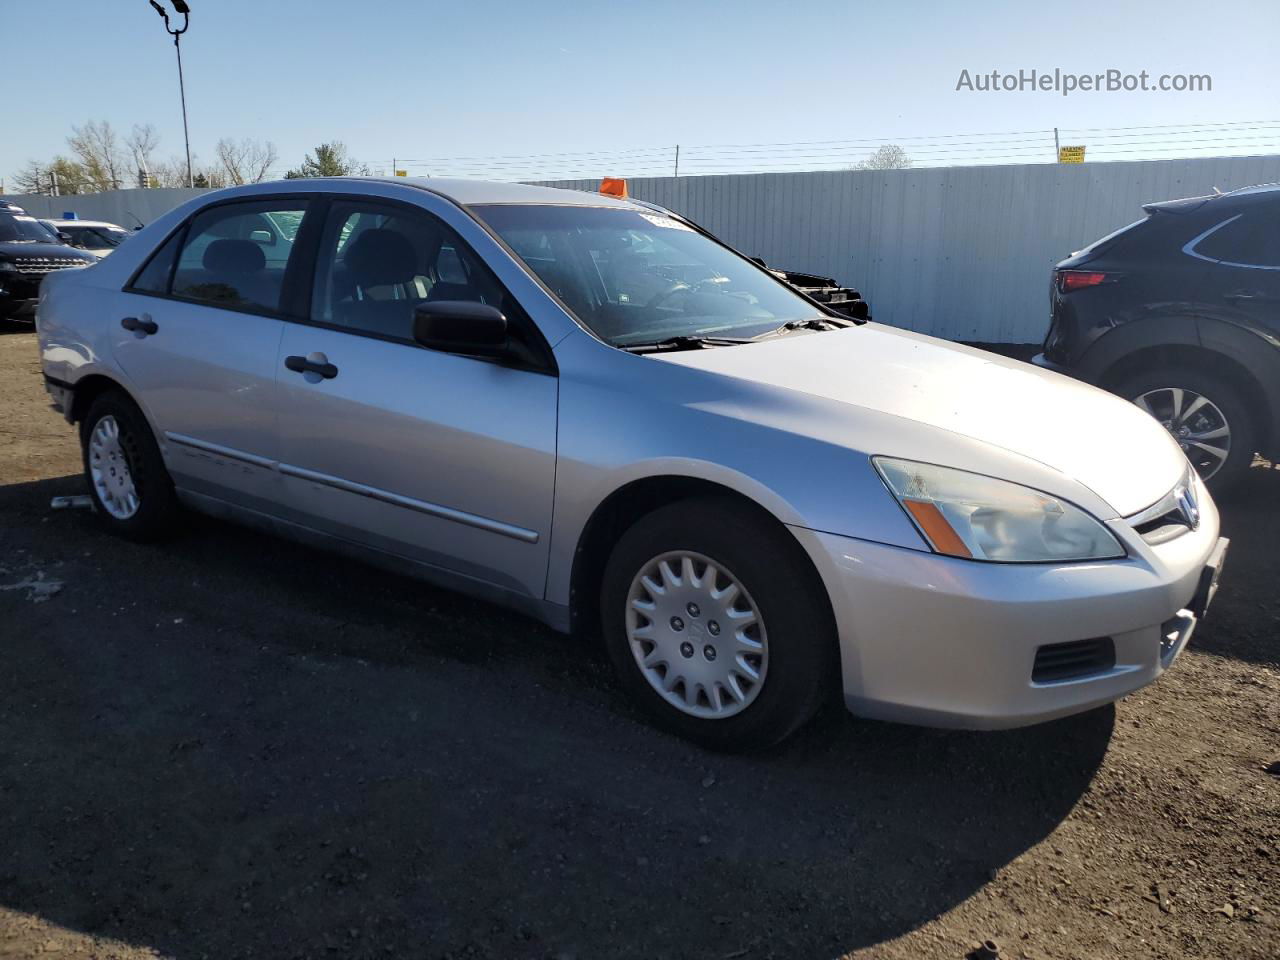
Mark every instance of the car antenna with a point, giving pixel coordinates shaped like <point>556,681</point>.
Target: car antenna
<point>141,224</point>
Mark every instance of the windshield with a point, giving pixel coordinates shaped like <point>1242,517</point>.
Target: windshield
<point>638,277</point>
<point>19,229</point>
<point>95,237</point>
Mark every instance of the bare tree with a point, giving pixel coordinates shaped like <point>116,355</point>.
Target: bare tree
<point>36,177</point>
<point>888,156</point>
<point>142,144</point>
<point>173,173</point>
<point>248,161</point>
<point>33,178</point>
<point>97,148</point>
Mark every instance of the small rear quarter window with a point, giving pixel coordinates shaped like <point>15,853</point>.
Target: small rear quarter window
<point>154,277</point>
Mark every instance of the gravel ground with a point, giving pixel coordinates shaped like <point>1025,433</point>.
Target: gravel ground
<point>229,746</point>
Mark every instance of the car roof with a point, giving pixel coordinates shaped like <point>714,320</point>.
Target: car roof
<point>1259,188</point>
<point>462,192</point>
<point>56,221</point>
<point>468,192</point>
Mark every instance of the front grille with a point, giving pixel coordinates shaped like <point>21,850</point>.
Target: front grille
<point>1070,661</point>
<point>1162,528</point>
<point>45,264</point>
<point>1174,514</point>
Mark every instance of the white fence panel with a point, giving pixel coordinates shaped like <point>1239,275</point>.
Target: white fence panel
<point>958,252</point>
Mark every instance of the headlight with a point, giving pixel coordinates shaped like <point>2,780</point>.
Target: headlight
<point>965,514</point>
<point>7,267</point>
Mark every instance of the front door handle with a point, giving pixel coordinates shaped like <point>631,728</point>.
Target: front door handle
<point>146,326</point>
<point>322,368</point>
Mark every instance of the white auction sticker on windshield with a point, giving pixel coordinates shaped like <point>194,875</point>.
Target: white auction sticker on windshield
<point>665,222</point>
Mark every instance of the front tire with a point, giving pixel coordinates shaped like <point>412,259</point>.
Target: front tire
<point>1208,416</point>
<point>717,625</point>
<point>131,489</point>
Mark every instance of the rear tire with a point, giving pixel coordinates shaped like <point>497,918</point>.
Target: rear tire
<point>131,489</point>
<point>738,597</point>
<point>1225,405</point>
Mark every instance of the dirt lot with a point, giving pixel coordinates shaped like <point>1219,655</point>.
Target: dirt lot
<point>229,746</point>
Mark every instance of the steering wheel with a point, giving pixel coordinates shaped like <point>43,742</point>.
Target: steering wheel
<point>664,295</point>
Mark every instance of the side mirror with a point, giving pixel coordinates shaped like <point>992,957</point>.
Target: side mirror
<point>264,238</point>
<point>64,237</point>
<point>461,326</point>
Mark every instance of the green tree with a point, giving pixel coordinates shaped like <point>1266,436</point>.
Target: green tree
<point>328,160</point>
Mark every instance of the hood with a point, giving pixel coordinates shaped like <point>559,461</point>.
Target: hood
<point>10,248</point>
<point>1105,443</point>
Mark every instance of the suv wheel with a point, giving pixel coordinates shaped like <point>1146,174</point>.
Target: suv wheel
<point>1208,417</point>
<point>716,625</point>
<point>131,489</point>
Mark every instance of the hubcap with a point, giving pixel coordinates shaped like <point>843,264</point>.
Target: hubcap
<point>1195,421</point>
<point>697,635</point>
<point>109,470</point>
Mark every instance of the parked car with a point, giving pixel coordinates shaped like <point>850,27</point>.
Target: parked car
<point>27,253</point>
<point>96,236</point>
<point>1180,313</point>
<point>598,414</point>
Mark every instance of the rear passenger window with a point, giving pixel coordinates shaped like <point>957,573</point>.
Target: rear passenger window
<point>1251,239</point>
<point>236,255</point>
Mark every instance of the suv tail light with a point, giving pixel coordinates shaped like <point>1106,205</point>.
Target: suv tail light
<point>1069,280</point>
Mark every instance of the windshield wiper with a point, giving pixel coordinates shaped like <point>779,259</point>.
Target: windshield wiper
<point>812,323</point>
<point>682,342</point>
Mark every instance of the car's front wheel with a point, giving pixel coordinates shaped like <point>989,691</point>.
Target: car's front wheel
<point>1208,417</point>
<point>716,623</point>
<point>131,489</point>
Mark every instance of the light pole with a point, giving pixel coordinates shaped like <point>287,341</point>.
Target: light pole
<point>179,6</point>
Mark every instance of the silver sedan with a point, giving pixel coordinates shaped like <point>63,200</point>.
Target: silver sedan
<point>589,409</point>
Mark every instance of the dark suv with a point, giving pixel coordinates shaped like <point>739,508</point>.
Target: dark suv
<point>27,252</point>
<point>1180,313</point>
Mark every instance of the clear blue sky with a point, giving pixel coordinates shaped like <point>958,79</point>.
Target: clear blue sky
<point>394,78</point>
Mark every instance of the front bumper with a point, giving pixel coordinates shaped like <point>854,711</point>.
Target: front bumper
<point>19,294</point>
<point>13,307</point>
<point>944,642</point>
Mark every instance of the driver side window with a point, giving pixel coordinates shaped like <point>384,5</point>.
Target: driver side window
<point>378,262</point>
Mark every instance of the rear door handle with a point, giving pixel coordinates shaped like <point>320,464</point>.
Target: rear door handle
<point>321,368</point>
<point>146,326</point>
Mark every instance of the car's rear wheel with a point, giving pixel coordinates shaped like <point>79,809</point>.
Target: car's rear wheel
<point>131,489</point>
<point>1208,417</point>
<point>717,625</point>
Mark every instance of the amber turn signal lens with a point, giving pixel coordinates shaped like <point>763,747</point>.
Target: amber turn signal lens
<point>936,528</point>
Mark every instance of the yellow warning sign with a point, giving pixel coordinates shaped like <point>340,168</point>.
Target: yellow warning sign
<point>405,173</point>
<point>1071,154</point>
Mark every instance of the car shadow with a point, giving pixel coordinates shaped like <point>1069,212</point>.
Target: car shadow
<point>1244,620</point>
<point>228,745</point>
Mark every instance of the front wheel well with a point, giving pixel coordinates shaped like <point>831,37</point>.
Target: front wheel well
<point>623,508</point>
<point>88,389</point>
<point>1198,358</point>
